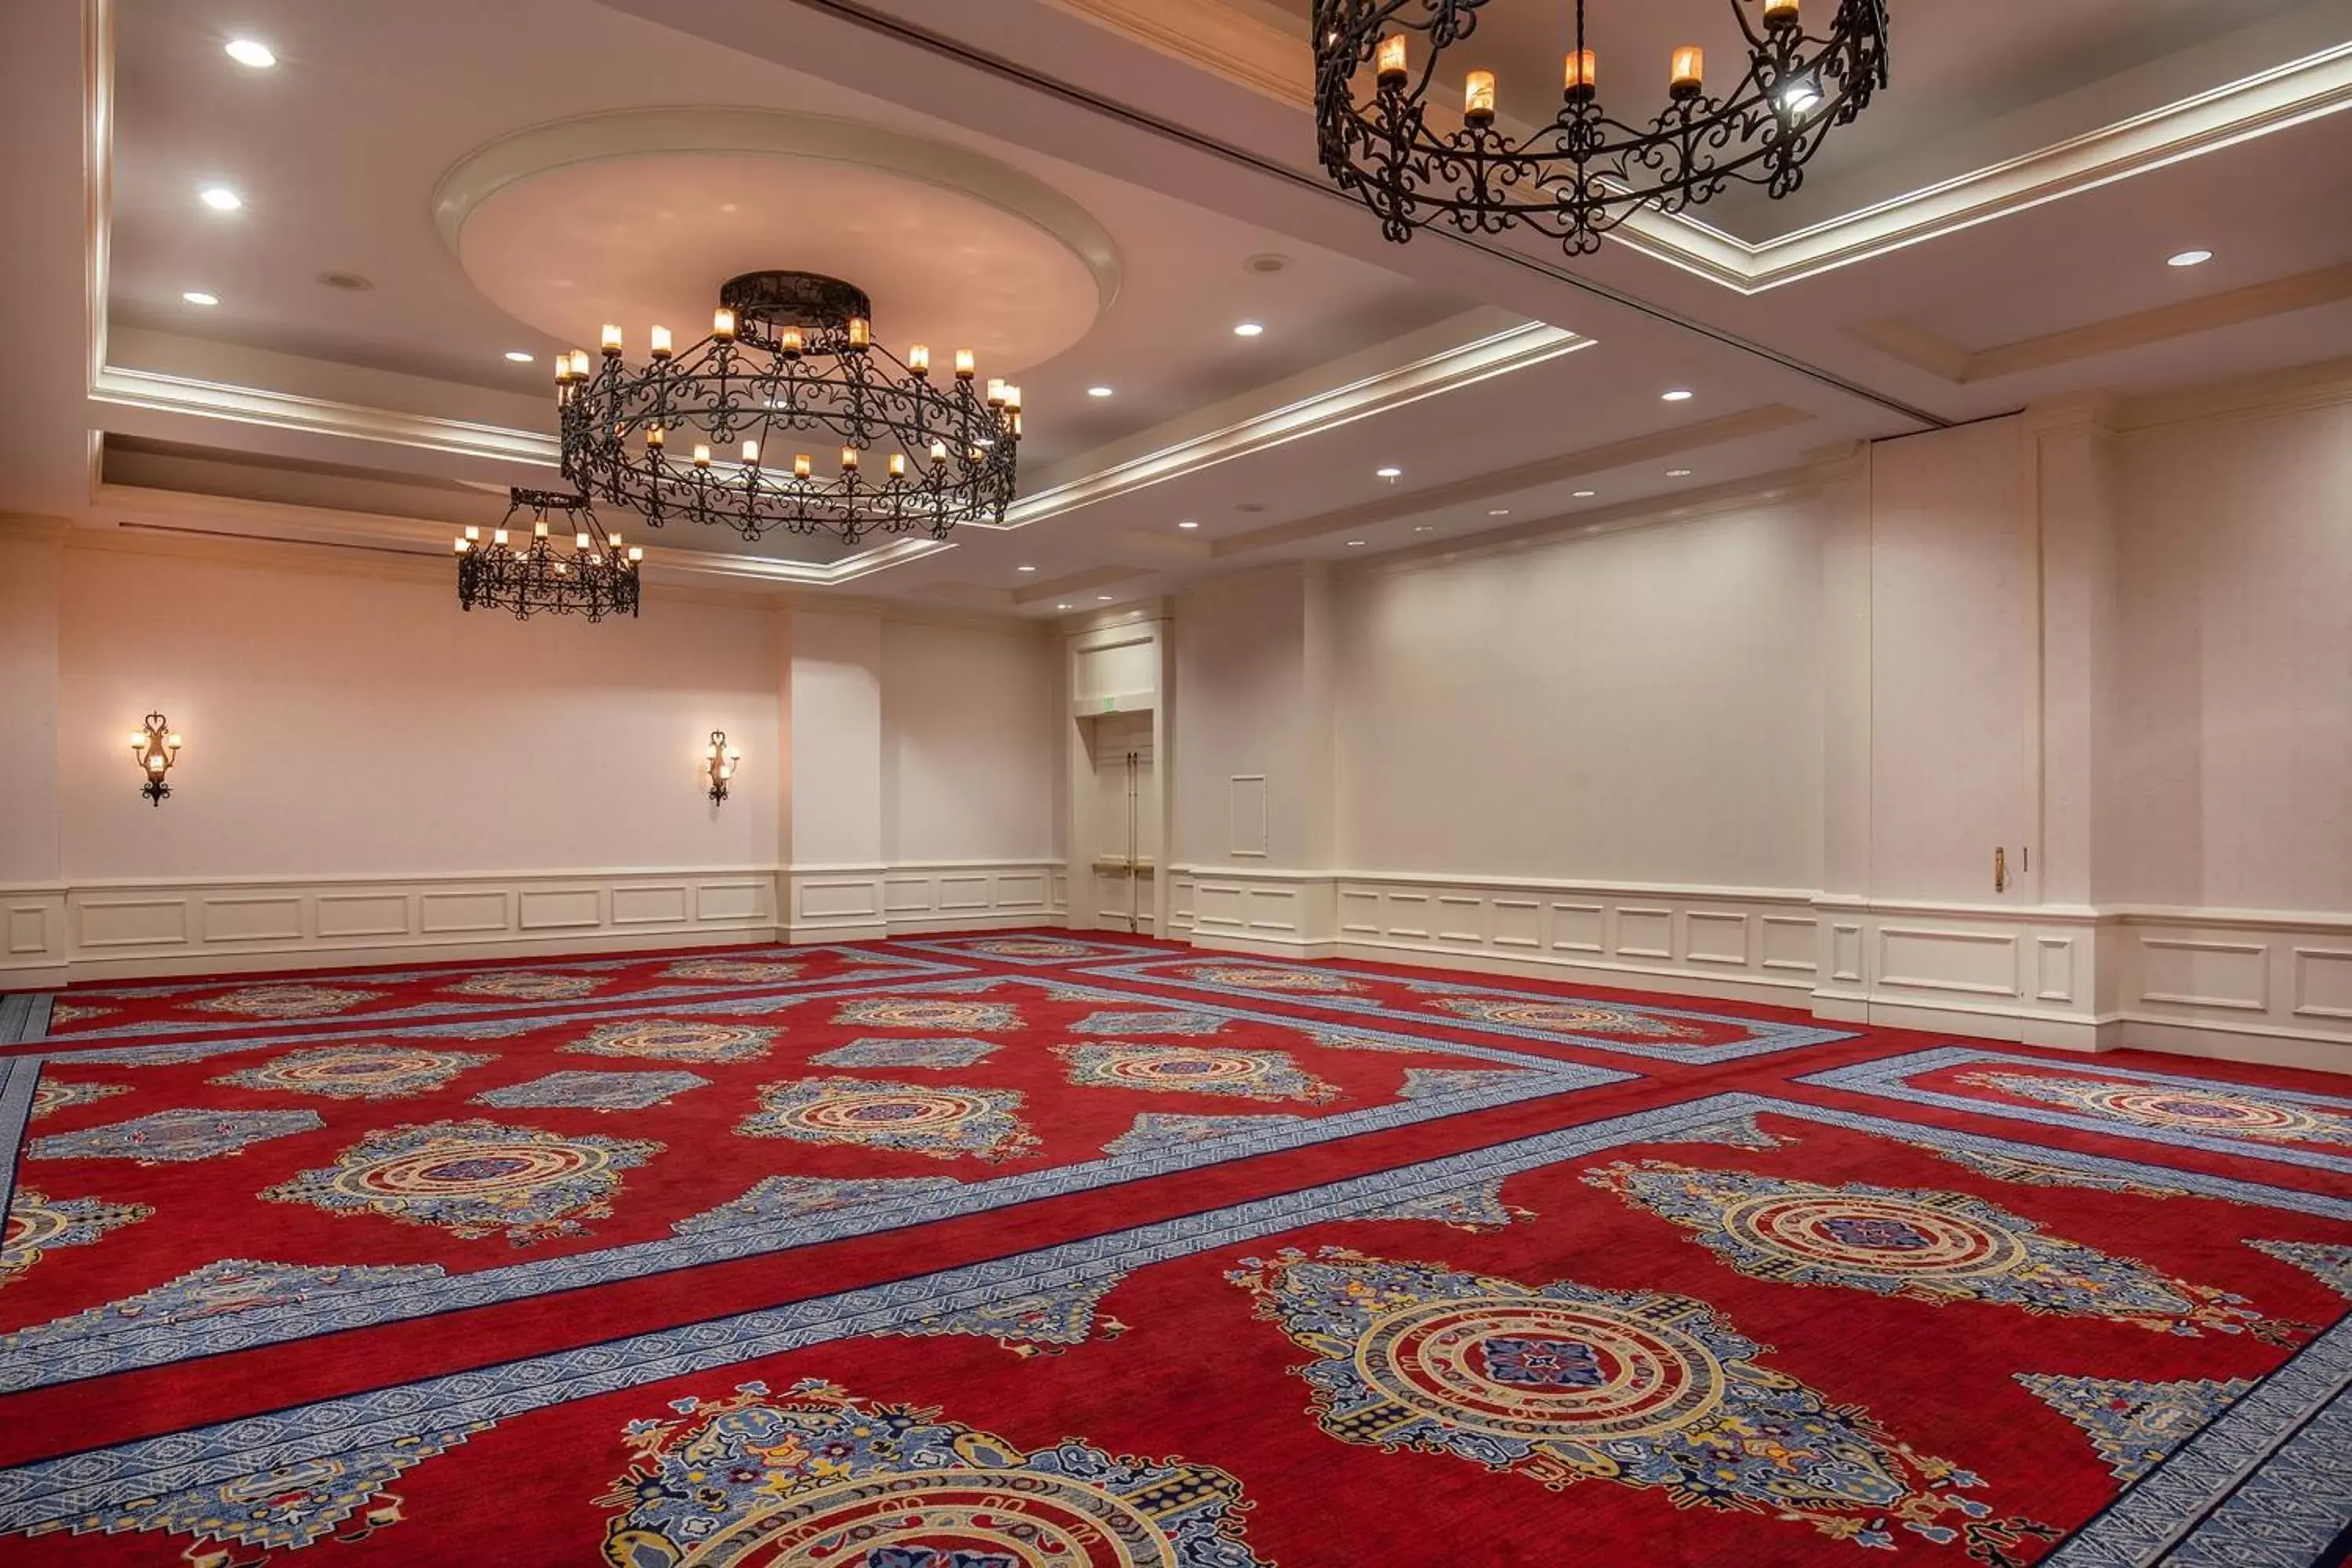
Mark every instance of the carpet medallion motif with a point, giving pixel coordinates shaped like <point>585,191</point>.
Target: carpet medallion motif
<point>878,1052</point>
<point>1564,1383</point>
<point>357,1072</point>
<point>525,986</point>
<point>284,1000</point>
<point>1182,1069</point>
<point>343,1497</point>
<point>2134,1425</point>
<point>1564,1017</point>
<point>222,1289</point>
<point>1128,1025</point>
<point>789,1197</point>
<point>816,1476</point>
<point>37,1223</point>
<point>593,1091</point>
<point>51,1096</point>
<point>930,1013</point>
<point>2330,1265</point>
<point>1266,978</point>
<point>1030,1325</point>
<point>2246,1115</point>
<point>474,1179</point>
<point>942,1122</point>
<point>173,1137</point>
<point>1156,1132</point>
<point>1925,1245</point>
<point>675,1040</point>
<point>738,971</point>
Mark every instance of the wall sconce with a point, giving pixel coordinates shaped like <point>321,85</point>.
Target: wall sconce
<point>721,762</point>
<point>155,749</point>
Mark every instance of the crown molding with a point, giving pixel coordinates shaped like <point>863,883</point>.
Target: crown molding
<point>1757,421</point>
<point>2322,385</point>
<point>1450,369</point>
<point>1731,496</point>
<point>1923,350</point>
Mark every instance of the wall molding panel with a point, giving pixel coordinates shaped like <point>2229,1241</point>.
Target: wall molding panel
<point>864,902</point>
<point>2242,985</point>
<point>51,936</point>
<point>119,930</point>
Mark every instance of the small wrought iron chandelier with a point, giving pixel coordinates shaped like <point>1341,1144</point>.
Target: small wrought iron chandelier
<point>735,431</point>
<point>1581,173</point>
<point>598,578</point>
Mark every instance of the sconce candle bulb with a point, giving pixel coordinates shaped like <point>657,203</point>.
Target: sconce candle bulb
<point>155,748</point>
<point>720,764</point>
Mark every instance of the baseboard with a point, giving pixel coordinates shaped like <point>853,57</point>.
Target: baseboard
<point>55,935</point>
<point>2242,985</point>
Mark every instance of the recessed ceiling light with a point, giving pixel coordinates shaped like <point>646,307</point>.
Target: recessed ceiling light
<point>1188,522</point>
<point>2189,259</point>
<point>1354,543</point>
<point>198,297</point>
<point>1246,329</point>
<point>1498,512</point>
<point>1422,527</point>
<point>1098,392</point>
<point>1387,473</point>
<point>1678,473</point>
<point>1105,598</point>
<point>1061,606</point>
<point>252,52</point>
<point>1585,495</point>
<point>1679,394</point>
<point>220,198</point>
<point>1024,568</point>
<point>518,356</point>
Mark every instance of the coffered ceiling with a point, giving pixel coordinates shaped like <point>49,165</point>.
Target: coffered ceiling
<point>1094,193</point>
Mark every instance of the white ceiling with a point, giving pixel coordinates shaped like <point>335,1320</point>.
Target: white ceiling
<point>378,415</point>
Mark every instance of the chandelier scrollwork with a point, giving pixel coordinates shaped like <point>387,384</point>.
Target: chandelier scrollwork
<point>789,417</point>
<point>1581,172</point>
<point>596,578</point>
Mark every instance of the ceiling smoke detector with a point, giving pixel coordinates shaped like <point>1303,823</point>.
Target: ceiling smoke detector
<point>1266,261</point>
<point>349,282</point>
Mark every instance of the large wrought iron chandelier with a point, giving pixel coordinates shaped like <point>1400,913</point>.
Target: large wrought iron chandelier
<point>596,579</point>
<point>1581,172</point>
<point>789,416</point>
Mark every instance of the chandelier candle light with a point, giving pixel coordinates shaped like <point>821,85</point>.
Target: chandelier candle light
<point>1578,173</point>
<point>732,431</point>
<point>598,578</point>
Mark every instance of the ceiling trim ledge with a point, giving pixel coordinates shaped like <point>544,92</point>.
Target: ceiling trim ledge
<point>1499,353</point>
<point>2276,99</point>
<point>158,393</point>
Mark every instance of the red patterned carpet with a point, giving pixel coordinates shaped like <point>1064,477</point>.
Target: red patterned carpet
<point>1033,1250</point>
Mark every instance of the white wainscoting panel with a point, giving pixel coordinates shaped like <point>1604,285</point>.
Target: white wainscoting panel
<point>846,903</point>
<point>127,930</point>
<point>2250,985</point>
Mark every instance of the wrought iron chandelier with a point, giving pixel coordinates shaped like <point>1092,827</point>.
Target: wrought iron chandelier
<point>1582,172</point>
<point>789,416</point>
<point>598,578</point>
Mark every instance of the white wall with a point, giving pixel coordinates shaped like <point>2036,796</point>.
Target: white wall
<point>2235,774</point>
<point>1643,705</point>
<point>341,724</point>
<point>370,772</point>
<point>968,728</point>
<point>1767,746</point>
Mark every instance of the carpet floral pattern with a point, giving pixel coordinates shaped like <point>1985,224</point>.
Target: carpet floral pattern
<point>1042,1249</point>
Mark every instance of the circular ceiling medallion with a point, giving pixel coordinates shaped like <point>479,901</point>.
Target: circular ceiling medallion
<point>638,218</point>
